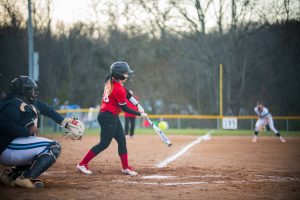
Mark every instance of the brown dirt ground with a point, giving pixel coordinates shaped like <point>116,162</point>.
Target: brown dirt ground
<point>222,168</point>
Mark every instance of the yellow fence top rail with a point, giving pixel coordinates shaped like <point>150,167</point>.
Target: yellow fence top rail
<point>180,116</point>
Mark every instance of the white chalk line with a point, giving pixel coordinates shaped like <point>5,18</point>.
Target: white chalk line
<point>53,172</point>
<point>159,177</point>
<point>272,179</point>
<point>275,179</point>
<point>184,150</point>
<point>158,183</point>
<point>177,177</point>
<point>261,178</point>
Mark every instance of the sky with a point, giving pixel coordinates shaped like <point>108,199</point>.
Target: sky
<point>69,11</point>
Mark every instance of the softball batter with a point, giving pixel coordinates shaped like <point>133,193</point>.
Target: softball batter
<point>113,102</point>
<point>264,118</point>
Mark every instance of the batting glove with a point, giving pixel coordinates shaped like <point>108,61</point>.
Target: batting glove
<point>144,115</point>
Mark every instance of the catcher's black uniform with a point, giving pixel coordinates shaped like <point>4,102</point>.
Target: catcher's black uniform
<point>17,116</point>
<point>29,155</point>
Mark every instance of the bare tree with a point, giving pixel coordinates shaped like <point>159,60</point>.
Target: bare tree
<point>280,11</point>
<point>219,13</point>
<point>198,24</point>
<point>158,16</point>
<point>202,52</point>
<point>13,14</point>
<point>240,59</point>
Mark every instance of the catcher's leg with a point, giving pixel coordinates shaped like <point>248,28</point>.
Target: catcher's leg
<point>43,161</point>
<point>8,176</point>
<point>23,152</point>
<point>40,164</point>
<point>11,178</point>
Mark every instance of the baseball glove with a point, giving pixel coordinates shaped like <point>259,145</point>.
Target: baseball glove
<point>262,128</point>
<point>74,128</point>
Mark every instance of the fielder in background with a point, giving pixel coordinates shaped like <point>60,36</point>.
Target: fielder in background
<point>130,118</point>
<point>113,102</point>
<point>20,148</point>
<point>264,118</point>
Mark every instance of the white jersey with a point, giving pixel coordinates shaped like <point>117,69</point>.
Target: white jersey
<point>264,118</point>
<point>264,114</point>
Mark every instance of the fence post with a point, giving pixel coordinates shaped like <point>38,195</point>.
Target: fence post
<point>178,123</point>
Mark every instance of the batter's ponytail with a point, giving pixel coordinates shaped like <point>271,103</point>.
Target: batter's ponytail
<point>109,85</point>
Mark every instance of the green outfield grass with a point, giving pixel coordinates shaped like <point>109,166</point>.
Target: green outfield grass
<point>220,132</point>
<point>217,132</point>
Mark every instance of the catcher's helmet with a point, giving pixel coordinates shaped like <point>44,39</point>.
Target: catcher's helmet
<point>24,86</point>
<point>118,69</point>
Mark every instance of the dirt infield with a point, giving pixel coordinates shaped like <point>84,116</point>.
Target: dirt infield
<point>221,168</point>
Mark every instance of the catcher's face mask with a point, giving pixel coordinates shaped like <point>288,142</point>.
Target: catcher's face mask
<point>31,94</point>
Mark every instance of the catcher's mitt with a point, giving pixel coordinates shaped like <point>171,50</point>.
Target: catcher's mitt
<point>74,128</point>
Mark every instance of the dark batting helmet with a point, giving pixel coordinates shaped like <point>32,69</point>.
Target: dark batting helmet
<point>24,86</point>
<point>118,69</point>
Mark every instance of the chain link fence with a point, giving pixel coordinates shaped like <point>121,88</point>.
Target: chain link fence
<point>89,117</point>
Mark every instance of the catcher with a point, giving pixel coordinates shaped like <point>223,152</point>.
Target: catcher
<point>20,148</point>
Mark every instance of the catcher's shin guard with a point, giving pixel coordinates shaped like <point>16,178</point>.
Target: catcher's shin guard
<point>43,161</point>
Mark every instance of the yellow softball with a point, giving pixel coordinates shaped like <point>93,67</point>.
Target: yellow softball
<point>163,125</point>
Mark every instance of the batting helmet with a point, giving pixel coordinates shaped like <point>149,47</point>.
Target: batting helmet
<point>24,86</point>
<point>118,69</point>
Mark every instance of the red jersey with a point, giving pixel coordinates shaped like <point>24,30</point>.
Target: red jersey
<point>132,107</point>
<point>111,103</point>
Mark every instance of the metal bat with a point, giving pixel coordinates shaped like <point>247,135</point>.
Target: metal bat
<point>160,133</point>
<point>135,102</point>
